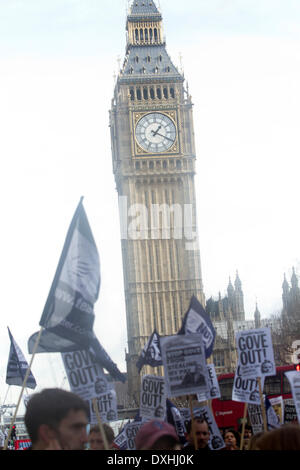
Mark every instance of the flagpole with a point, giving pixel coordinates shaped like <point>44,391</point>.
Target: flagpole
<point>263,409</point>
<point>6,395</point>
<point>244,425</point>
<point>193,423</point>
<point>23,387</point>
<point>96,409</point>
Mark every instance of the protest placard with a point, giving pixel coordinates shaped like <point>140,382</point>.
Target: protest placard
<point>184,363</point>
<point>152,397</point>
<point>289,411</point>
<point>85,375</point>
<point>213,390</point>
<point>256,418</point>
<point>87,379</point>
<point>121,440</point>
<point>294,379</point>
<point>216,441</point>
<point>255,353</point>
<point>272,418</point>
<point>278,406</point>
<point>246,389</point>
<point>130,432</point>
<point>107,407</point>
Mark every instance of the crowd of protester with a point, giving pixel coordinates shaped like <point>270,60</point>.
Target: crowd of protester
<point>58,420</point>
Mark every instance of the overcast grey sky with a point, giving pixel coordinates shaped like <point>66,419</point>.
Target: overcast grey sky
<point>57,61</point>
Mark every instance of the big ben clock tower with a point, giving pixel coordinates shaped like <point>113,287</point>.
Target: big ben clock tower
<point>153,153</point>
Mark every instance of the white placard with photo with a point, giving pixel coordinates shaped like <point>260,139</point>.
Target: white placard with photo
<point>184,363</point>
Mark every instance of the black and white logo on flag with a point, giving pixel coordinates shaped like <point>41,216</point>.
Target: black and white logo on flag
<point>17,366</point>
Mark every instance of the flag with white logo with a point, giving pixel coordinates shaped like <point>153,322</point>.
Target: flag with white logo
<point>150,354</point>
<point>17,366</point>
<point>68,316</point>
<point>196,320</point>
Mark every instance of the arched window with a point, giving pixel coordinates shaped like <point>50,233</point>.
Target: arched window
<point>166,94</point>
<point>132,94</point>
<point>178,165</point>
<point>165,164</point>
<point>141,35</point>
<point>152,94</point>
<point>146,34</point>
<point>145,93</point>
<point>139,94</point>
<point>151,165</point>
<point>151,34</point>
<point>136,34</point>
<point>158,93</point>
<point>137,165</point>
<point>172,93</point>
<point>155,34</point>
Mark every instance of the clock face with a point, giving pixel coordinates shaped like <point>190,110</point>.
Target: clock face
<point>155,133</point>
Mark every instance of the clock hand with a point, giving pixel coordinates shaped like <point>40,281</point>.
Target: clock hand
<point>155,133</point>
<point>165,137</point>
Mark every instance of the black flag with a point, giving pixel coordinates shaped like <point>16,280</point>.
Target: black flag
<point>17,366</point>
<point>68,316</point>
<point>150,354</point>
<point>196,320</point>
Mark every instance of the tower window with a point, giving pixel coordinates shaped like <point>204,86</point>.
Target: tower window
<point>145,93</point>
<point>168,69</point>
<point>165,165</point>
<point>158,92</point>
<point>141,35</point>
<point>151,165</point>
<point>148,59</point>
<point>152,95</point>
<point>155,34</point>
<point>137,59</point>
<point>151,34</point>
<point>156,70</point>
<point>146,34</point>
<point>160,58</point>
<point>137,165</point>
<point>136,34</point>
<point>132,94</point>
<point>172,93</point>
<point>178,165</point>
<point>139,94</point>
<point>166,95</point>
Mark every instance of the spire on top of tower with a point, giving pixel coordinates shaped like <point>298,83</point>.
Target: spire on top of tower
<point>238,284</point>
<point>257,317</point>
<point>146,54</point>
<point>143,8</point>
<point>294,279</point>
<point>285,285</point>
<point>230,288</point>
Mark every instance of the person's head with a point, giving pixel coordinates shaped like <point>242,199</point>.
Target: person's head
<point>232,439</point>
<point>253,440</point>
<point>200,429</point>
<point>96,439</point>
<point>58,419</point>
<point>286,437</point>
<point>247,435</point>
<point>157,435</point>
